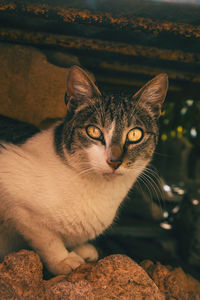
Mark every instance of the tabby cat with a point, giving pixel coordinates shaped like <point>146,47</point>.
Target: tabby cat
<point>62,186</point>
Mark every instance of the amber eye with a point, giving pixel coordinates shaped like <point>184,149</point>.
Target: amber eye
<point>94,132</point>
<point>135,135</point>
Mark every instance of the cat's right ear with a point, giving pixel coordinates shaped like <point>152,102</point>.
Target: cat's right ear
<point>80,86</point>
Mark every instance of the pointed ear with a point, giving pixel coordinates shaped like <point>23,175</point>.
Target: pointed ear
<point>80,85</point>
<point>153,93</point>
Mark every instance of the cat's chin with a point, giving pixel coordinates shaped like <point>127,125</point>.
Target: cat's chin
<point>111,175</point>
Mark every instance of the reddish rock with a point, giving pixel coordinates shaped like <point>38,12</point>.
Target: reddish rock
<point>21,276</point>
<point>173,282</point>
<point>117,277</point>
<point>114,277</point>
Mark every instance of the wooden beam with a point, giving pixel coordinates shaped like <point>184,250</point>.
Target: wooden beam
<point>91,17</point>
<point>128,82</point>
<point>150,71</point>
<point>95,45</point>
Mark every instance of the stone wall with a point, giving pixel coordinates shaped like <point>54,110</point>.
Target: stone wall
<point>31,89</point>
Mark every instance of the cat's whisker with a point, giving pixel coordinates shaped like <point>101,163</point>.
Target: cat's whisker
<point>140,178</point>
<point>152,183</point>
<point>156,178</point>
<point>155,189</point>
<point>161,154</point>
<point>94,166</point>
<point>150,167</point>
<point>159,182</point>
<point>85,171</point>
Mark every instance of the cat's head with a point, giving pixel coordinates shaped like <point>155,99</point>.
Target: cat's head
<point>110,135</point>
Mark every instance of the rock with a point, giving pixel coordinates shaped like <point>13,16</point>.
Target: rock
<point>173,282</point>
<point>113,277</point>
<point>117,277</point>
<point>32,89</point>
<point>21,276</point>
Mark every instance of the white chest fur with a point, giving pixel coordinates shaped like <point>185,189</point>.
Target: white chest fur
<point>33,179</point>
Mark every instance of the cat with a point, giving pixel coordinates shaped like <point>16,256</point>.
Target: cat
<point>62,187</point>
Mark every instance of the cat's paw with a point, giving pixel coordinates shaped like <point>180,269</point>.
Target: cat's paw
<point>67,265</point>
<point>87,251</point>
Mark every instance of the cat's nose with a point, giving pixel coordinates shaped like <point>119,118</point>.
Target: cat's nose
<point>115,157</point>
<point>114,164</point>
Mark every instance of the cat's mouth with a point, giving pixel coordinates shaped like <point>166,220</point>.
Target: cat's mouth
<point>111,175</point>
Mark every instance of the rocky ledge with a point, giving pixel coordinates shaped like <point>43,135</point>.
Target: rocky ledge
<point>114,277</point>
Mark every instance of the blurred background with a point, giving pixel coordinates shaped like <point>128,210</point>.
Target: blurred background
<point>123,44</point>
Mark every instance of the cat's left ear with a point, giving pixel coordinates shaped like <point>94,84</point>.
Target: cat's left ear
<point>153,93</point>
<point>80,86</point>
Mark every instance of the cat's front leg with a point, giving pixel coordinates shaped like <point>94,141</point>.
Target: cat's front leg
<point>58,259</point>
<point>87,251</point>
<point>68,264</point>
<point>51,249</point>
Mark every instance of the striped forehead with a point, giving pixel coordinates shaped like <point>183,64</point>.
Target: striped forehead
<point>115,120</point>
<point>114,115</point>
<point>109,133</point>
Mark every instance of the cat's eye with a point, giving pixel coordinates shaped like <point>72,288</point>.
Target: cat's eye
<point>94,132</point>
<point>135,135</point>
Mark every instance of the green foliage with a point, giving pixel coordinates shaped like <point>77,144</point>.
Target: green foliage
<point>181,120</point>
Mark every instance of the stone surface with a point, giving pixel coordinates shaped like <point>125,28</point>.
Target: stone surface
<point>117,277</point>
<point>114,277</point>
<point>21,276</point>
<point>32,89</point>
<point>173,282</point>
